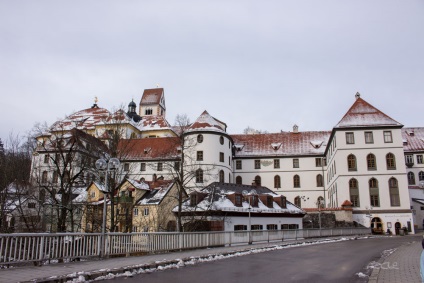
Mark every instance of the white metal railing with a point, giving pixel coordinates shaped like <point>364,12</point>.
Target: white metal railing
<point>17,248</point>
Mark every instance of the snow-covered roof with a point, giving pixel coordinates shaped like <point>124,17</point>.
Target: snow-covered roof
<point>206,122</point>
<point>84,119</point>
<point>413,139</point>
<point>149,148</point>
<point>363,114</point>
<point>152,123</point>
<point>281,144</point>
<point>218,199</point>
<point>157,192</point>
<point>151,96</point>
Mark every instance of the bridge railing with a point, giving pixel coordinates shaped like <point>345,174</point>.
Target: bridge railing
<point>40,247</point>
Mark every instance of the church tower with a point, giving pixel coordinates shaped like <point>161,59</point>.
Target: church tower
<point>153,103</point>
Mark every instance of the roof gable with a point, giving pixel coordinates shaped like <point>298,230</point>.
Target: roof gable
<point>209,123</point>
<point>152,96</point>
<point>363,114</point>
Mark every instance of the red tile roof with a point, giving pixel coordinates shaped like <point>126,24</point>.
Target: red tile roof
<point>154,123</point>
<point>151,96</point>
<point>363,114</point>
<point>84,119</point>
<point>209,123</point>
<point>149,148</point>
<point>413,139</point>
<point>301,143</point>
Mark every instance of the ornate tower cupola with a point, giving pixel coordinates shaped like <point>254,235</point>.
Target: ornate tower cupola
<point>131,107</point>
<point>132,112</point>
<point>153,103</point>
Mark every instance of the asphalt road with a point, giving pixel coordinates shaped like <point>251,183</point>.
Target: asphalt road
<point>332,262</point>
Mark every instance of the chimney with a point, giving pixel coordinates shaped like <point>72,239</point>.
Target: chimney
<point>295,129</point>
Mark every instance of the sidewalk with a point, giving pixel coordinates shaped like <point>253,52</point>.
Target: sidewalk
<point>400,266</point>
<point>403,265</point>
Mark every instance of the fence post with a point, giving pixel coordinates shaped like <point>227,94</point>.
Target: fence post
<point>295,234</point>
<point>41,255</point>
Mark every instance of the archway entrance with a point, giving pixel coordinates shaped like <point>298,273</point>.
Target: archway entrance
<point>397,228</point>
<point>377,226</point>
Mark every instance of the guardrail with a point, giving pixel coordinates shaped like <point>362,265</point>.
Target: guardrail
<point>19,248</point>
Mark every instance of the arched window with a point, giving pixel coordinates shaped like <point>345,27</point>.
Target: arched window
<point>351,162</point>
<point>354,192</point>
<point>221,176</point>
<point>148,111</point>
<point>411,178</point>
<point>394,192</point>
<point>421,176</point>
<point>296,181</point>
<point>199,175</point>
<point>199,138</point>
<point>297,201</point>
<point>374,194</point>
<point>239,180</point>
<point>277,181</point>
<point>320,183</point>
<point>390,161</point>
<point>258,181</point>
<point>371,162</point>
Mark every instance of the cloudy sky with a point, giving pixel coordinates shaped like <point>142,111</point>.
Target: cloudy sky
<point>263,64</point>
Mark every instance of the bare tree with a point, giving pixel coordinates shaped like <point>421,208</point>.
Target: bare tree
<point>15,165</point>
<point>62,167</point>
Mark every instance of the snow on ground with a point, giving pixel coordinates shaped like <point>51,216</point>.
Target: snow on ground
<point>179,263</point>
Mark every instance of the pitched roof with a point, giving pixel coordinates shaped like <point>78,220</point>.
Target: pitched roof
<point>281,144</point>
<point>208,123</point>
<point>413,139</point>
<point>151,96</point>
<point>84,119</point>
<point>158,190</point>
<point>149,148</point>
<point>152,123</point>
<point>217,200</point>
<point>363,114</point>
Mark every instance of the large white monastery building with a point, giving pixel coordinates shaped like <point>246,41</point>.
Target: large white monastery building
<point>368,161</point>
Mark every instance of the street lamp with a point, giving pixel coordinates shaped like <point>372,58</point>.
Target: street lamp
<point>106,166</point>
<point>245,194</point>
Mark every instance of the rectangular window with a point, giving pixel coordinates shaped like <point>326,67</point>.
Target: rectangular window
<point>46,158</point>
<point>238,200</point>
<point>238,165</point>
<point>369,137</point>
<point>257,227</point>
<point>409,160</point>
<point>350,138</point>
<point>177,166</point>
<point>420,159</point>
<point>240,227</point>
<point>143,166</point>
<point>318,162</point>
<point>388,136</point>
<point>221,157</point>
<point>296,163</point>
<point>135,211</point>
<point>272,227</point>
<point>31,205</point>
<point>134,229</point>
<point>146,211</point>
<point>200,155</point>
<point>160,166</point>
<point>276,163</point>
<point>257,164</point>
<point>126,167</point>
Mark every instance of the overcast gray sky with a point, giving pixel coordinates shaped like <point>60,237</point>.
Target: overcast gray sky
<point>264,64</point>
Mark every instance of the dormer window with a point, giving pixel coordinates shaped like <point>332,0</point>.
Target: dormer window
<point>146,150</point>
<point>238,200</point>
<point>269,201</point>
<point>276,146</point>
<point>238,147</point>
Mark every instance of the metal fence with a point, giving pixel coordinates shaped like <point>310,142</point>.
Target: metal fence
<point>17,248</point>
